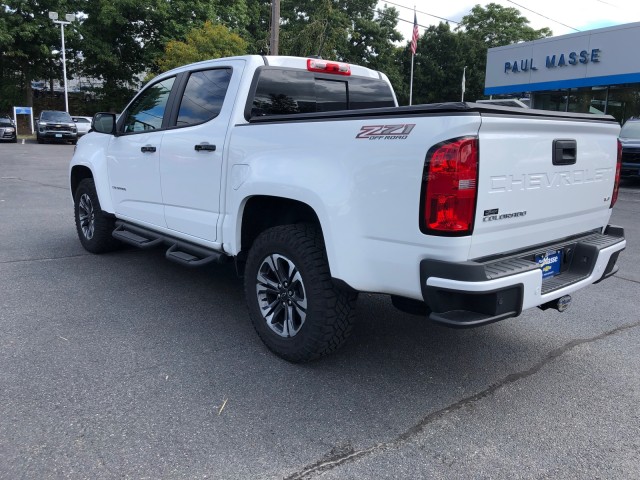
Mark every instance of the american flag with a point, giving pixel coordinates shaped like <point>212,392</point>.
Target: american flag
<point>416,35</point>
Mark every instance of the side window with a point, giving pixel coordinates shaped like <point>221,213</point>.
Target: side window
<point>203,96</point>
<point>281,92</point>
<point>147,111</point>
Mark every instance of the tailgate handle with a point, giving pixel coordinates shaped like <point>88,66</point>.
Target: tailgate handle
<point>564,152</point>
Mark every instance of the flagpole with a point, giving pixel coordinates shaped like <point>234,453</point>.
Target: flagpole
<point>464,81</point>
<point>411,82</point>
<point>414,47</point>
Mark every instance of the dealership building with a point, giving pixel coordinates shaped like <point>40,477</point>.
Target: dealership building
<point>596,71</point>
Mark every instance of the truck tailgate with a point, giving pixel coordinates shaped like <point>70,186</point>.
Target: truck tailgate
<point>527,194</point>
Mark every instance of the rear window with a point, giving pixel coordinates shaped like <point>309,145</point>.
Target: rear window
<point>282,92</point>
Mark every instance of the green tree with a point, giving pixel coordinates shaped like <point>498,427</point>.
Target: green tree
<point>27,38</point>
<point>443,53</point>
<point>353,31</point>
<point>438,65</point>
<point>123,39</point>
<point>488,27</point>
<point>209,41</point>
<point>495,26</point>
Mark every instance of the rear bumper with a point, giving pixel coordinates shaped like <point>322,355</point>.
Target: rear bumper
<point>475,293</point>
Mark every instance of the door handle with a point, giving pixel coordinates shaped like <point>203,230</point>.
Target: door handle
<point>205,147</point>
<point>148,149</point>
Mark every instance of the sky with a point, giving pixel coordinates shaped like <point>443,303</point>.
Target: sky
<point>562,16</point>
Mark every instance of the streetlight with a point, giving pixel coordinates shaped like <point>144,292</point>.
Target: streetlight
<point>70,18</point>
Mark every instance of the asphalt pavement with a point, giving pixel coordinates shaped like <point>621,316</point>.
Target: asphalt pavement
<point>125,365</point>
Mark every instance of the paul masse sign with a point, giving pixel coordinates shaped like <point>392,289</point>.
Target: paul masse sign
<point>571,58</point>
<point>592,58</point>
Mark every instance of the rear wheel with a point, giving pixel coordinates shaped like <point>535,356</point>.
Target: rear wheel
<point>296,308</point>
<point>93,225</point>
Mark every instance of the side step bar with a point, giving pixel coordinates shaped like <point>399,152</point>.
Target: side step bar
<point>179,251</point>
<point>141,239</point>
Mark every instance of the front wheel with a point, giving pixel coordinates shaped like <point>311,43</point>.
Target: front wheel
<point>296,308</point>
<point>93,225</point>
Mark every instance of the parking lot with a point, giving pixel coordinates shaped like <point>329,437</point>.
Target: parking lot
<point>125,365</point>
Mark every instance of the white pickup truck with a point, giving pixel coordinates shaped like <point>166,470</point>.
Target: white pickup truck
<point>308,175</point>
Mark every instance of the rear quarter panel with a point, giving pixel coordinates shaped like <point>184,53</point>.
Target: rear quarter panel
<point>365,191</point>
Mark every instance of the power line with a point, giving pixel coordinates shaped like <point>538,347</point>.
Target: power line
<point>418,11</point>
<point>607,3</point>
<point>543,16</point>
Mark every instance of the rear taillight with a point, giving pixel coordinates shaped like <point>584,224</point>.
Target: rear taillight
<point>616,183</point>
<point>449,189</point>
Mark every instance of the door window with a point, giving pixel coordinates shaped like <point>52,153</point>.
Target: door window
<point>203,96</point>
<point>147,110</point>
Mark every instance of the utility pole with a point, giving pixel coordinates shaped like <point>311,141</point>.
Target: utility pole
<point>275,27</point>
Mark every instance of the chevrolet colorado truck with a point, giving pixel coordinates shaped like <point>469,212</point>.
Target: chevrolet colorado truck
<point>308,176</point>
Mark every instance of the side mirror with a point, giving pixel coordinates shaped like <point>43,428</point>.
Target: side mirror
<point>104,123</point>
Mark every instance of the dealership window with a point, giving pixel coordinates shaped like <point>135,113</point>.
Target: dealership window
<point>621,101</point>
<point>587,100</point>
<point>624,102</point>
<point>555,101</point>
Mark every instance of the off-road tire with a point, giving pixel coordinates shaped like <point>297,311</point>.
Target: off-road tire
<point>329,309</point>
<point>87,212</point>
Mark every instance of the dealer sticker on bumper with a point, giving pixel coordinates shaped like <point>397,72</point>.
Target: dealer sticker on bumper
<point>549,263</point>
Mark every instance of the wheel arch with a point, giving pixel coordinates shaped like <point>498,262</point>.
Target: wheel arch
<point>260,212</point>
<point>79,173</point>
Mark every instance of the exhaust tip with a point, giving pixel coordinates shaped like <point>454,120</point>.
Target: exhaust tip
<point>560,304</point>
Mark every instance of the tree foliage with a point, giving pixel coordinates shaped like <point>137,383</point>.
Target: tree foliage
<point>209,41</point>
<point>495,26</point>
<point>443,53</point>
<point>27,39</point>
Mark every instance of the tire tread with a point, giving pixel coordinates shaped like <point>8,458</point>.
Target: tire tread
<point>334,322</point>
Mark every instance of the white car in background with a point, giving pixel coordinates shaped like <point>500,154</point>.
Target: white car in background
<point>83,124</point>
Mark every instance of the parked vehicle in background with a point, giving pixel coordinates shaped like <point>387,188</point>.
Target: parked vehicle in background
<point>8,131</point>
<point>83,124</point>
<point>630,141</point>
<point>308,176</point>
<point>56,126</point>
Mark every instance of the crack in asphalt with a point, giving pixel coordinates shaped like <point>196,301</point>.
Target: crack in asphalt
<point>33,181</point>
<point>45,259</point>
<point>64,257</point>
<point>627,279</point>
<point>337,458</point>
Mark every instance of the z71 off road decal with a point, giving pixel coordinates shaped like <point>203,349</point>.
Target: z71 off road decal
<point>386,132</point>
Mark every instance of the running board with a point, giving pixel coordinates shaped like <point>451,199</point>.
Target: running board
<point>139,238</point>
<point>192,256</point>
<point>179,251</point>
